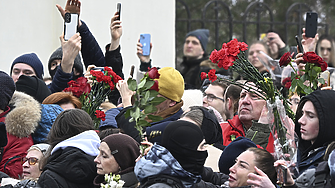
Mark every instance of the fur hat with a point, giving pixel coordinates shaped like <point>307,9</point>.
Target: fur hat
<point>33,86</point>
<point>233,150</point>
<point>31,60</point>
<point>58,54</point>
<point>124,149</point>
<point>7,89</point>
<point>171,83</point>
<point>202,35</point>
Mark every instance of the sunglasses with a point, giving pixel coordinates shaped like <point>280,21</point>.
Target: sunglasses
<point>31,160</point>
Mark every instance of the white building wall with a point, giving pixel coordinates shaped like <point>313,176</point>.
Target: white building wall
<point>35,26</point>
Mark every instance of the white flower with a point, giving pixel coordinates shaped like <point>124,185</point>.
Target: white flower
<point>113,184</point>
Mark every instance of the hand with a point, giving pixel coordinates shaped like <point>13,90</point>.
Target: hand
<point>299,60</point>
<point>290,180</point>
<point>261,180</point>
<point>116,32</point>
<point>264,119</point>
<point>70,49</point>
<point>88,75</point>
<point>308,43</point>
<point>72,6</point>
<point>274,38</point>
<point>125,93</point>
<point>143,58</point>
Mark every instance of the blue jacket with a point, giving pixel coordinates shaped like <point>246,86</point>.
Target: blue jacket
<point>160,161</point>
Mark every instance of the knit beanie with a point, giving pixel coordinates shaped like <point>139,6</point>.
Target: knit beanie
<point>171,83</point>
<point>62,98</point>
<point>31,60</point>
<point>33,86</point>
<point>181,139</point>
<point>124,149</point>
<point>202,35</point>
<point>42,147</point>
<point>233,150</point>
<point>58,54</point>
<point>7,89</point>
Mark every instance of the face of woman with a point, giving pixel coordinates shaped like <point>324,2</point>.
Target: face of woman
<point>244,165</point>
<point>325,47</point>
<point>105,161</point>
<point>31,164</point>
<point>309,122</point>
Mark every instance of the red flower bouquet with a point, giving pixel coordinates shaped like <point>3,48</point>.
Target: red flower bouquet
<point>92,97</point>
<point>307,81</point>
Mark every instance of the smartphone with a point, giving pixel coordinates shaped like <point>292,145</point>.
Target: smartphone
<point>98,69</point>
<point>70,25</point>
<point>311,24</point>
<point>282,174</point>
<point>118,9</point>
<point>132,70</point>
<point>300,48</point>
<point>145,41</point>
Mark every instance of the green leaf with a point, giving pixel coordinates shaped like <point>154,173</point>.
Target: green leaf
<point>321,80</point>
<point>141,84</point>
<point>132,84</point>
<point>155,118</point>
<point>127,114</point>
<point>137,113</point>
<point>143,123</point>
<point>150,109</point>
<point>148,84</point>
<point>157,100</point>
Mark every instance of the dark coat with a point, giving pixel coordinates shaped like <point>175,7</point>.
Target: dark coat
<point>68,168</point>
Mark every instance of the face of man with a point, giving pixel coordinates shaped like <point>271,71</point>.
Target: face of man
<point>254,53</point>
<point>192,48</point>
<point>250,107</point>
<point>213,95</point>
<point>22,69</point>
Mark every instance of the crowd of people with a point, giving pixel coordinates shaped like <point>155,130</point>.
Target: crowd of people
<point>220,139</point>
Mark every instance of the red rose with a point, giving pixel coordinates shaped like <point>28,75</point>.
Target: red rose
<point>155,86</point>
<point>153,73</point>
<point>287,82</point>
<point>323,65</point>
<point>100,115</point>
<point>203,75</point>
<point>311,57</point>
<point>285,59</point>
<point>211,75</point>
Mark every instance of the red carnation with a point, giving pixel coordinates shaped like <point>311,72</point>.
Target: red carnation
<point>203,75</point>
<point>211,75</point>
<point>243,46</point>
<point>107,69</point>
<point>100,115</point>
<point>155,86</point>
<point>153,73</point>
<point>214,56</point>
<point>285,59</point>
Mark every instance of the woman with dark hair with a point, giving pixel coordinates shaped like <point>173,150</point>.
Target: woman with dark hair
<point>118,153</point>
<point>73,147</point>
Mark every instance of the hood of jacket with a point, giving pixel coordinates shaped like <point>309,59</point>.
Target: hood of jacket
<point>87,142</point>
<point>324,104</point>
<point>160,161</point>
<point>23,119</point>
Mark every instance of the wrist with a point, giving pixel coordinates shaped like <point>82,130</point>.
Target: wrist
<point>114,44</point>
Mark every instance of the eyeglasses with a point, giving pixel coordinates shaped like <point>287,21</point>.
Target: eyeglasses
<point>31,160</point>
<point>211,97</point>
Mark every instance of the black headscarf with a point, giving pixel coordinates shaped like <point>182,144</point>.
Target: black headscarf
<point>324,104</point>
<point>182,139</point>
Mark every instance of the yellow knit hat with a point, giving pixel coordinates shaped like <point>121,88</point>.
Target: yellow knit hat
<point>171,83</point>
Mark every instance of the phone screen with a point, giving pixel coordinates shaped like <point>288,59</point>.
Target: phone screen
<point>311,24</point>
